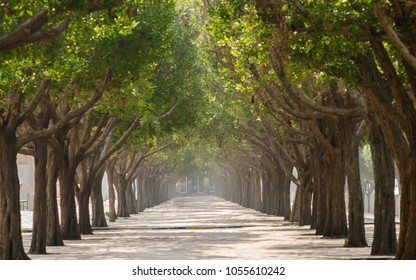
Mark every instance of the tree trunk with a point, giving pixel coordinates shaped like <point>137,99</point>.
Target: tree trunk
<point>111,193</point>
<point>356,230</point>
<point>286,198</point>
<point>131,200</point>
<point>122,210</point>
<point>11,244</point>
<point>384,241</point>
<point>84,213</point>
<point>140,202</point>
<point>407,239</point>
<point>336,221</point>
<point>38,244</point>
<point>98,213</point>
<point>69,222</point>
<point>320,193</point>
<point>53,229</point>
<point>295,215</point>
<point>305,216</point>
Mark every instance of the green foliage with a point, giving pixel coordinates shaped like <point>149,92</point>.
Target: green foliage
<point>148,45</point>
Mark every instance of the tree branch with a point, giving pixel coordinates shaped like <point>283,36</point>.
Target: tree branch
<point>70,116</point>
<point>168,113</point>
<point>30,32</point>
<point>393,36</point>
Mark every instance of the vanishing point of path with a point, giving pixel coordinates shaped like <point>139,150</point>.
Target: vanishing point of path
<point>200,228</point>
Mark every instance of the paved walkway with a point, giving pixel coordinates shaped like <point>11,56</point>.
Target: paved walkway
<point>205,227</point>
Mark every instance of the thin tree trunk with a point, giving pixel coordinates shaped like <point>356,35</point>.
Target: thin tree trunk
<point>286,200</point>
<point>111,192</point>
<point>98,213</point>
<point>295,215</point>
<point>38,243</point>
<point>320,192</point>
<point>53,229</point>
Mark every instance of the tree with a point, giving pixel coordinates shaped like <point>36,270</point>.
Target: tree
<point>384,72</point>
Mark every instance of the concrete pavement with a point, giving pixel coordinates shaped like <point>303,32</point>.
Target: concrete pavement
<point>204,227</point>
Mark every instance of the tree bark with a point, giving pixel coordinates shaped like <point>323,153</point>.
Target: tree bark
<point>295,215</point>
<point>407,239</point>
<point>335,221</point>
<point>384,239</point>
<point>131,200</point>
<point>69,221</point>
<point>38,243</point>
<point>319,194</point>
<point>356,230</point>
<point>11,243</point>
<point>53,229</point>
<point>305,217</point>
<point>122,210</point>
<point>84,213</point>
<point>111,192</point>
<point>98,213</point>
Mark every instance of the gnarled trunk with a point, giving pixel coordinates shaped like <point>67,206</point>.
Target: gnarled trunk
<point>11,244</point>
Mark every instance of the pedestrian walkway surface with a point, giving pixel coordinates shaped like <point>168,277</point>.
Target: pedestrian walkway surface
<point>200,228</point>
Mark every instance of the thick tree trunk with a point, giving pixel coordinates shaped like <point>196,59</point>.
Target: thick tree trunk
<point>356,230</point>
<point>69,221</point>
<point>380,88</point>
<point>384,241</point>
<point>84,213</point>
<point>131,200</point>
<point>336,221</point>
<point>407,239</point>
<point>11,244</point>
<point>38,244</point>
<point>122,210</point>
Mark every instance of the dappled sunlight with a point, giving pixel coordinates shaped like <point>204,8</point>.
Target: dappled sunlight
<point>204,227</point>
